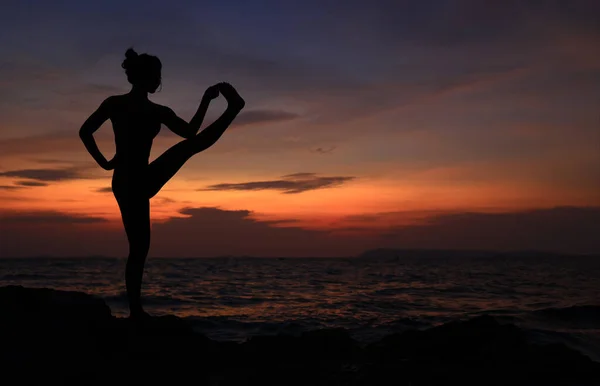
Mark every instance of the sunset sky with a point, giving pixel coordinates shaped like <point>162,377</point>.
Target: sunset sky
<point>408,124</point>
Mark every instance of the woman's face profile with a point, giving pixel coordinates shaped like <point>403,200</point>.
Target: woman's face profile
<point>153,82</point>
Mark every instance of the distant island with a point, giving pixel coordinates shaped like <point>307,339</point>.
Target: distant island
<point>398,254</point>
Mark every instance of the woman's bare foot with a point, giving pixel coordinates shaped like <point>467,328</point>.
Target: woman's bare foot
<point>231,95</point>
<point>139,315</point>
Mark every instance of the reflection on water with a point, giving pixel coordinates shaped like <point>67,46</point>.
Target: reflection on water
<point>326,292</point>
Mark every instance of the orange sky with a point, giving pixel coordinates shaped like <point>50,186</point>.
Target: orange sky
<point>362,131</point>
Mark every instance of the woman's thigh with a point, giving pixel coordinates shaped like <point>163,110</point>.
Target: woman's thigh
<point>134,205</point>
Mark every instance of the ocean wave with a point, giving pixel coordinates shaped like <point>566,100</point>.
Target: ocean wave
<point>24,276</point>
<point>150,300</point>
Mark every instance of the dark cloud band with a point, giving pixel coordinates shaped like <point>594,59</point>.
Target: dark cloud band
<point>289,184</point>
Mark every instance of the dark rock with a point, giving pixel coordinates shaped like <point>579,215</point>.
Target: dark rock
<point>583,312</point>
<point>49,307</point>
<point>68,338</point>
<point>329,344</point>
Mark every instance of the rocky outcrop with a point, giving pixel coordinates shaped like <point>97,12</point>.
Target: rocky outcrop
<point>59,337</point>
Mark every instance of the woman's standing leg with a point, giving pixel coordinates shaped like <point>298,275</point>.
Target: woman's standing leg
<point>135,211</point>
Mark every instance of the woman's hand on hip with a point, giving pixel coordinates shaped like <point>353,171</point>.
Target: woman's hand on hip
<point>110,165</point>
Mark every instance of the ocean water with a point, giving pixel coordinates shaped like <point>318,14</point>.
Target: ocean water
<point>553,298</point>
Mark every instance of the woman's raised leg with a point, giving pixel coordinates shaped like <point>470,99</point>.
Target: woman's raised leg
<point>162,169</point>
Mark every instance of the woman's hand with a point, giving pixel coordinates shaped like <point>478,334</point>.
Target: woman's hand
<point>231,95</point>
<point>212,92</point>
<point>109,165</point>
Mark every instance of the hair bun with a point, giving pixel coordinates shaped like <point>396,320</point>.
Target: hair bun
<point>131,54</point>
<point>130,57</point>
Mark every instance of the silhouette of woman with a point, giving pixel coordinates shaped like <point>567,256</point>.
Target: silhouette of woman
<point>136,121</point>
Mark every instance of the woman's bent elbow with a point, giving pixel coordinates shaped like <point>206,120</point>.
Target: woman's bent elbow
<point>84,132</point>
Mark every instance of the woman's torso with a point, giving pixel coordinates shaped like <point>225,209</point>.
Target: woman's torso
<point>135,125</point>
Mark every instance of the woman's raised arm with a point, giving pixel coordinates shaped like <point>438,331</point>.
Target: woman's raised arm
<point>180,126</point>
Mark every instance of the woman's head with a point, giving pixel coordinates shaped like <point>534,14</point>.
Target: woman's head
<point>143,70</point>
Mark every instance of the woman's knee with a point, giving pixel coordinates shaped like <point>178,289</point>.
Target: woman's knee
<point>139,249</point>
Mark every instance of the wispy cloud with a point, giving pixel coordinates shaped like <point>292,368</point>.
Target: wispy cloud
<point>50,142</point>
<point>263,116</point>
<point>45,175</point>
<point>252,117</point>
<point>50,161</point>
<point>31,183</point>
<point>289,184</point>
<point>46,218</point>
<point>324,150</point>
